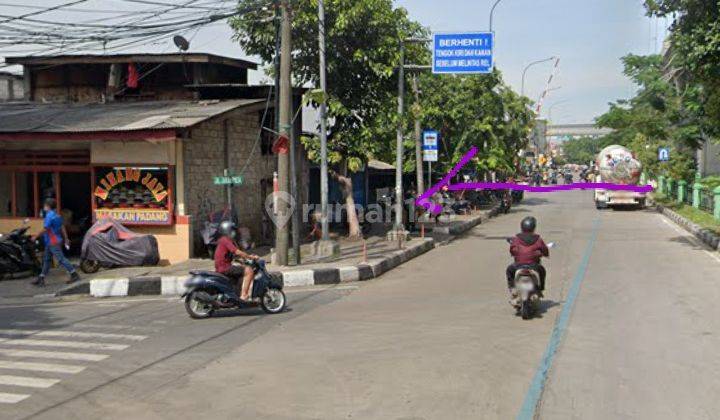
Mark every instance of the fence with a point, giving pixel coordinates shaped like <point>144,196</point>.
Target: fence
<point>707,200</point>
<point>691,194</point>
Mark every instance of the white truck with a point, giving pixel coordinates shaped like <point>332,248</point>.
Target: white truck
<point>617,165</point>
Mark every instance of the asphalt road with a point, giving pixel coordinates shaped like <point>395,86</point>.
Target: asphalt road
<point>433,339</point>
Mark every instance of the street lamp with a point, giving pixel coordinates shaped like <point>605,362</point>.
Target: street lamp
<point>522,88</point>
<point>492,11</point>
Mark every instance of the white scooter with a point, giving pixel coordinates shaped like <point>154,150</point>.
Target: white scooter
<point>527,286</point>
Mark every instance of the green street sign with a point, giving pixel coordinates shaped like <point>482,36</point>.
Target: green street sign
<point>228,180</point>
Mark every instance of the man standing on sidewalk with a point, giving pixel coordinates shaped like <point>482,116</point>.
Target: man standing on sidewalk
<point>54,235</point>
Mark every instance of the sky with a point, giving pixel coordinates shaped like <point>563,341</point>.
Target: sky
<point>589,36</point>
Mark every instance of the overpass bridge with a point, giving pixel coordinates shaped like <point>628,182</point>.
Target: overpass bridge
<point>576,130</point>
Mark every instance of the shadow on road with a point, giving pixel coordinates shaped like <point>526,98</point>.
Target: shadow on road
<point>534,201</point>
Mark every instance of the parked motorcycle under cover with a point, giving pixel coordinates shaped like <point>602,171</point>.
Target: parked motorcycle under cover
<point>112,244</point>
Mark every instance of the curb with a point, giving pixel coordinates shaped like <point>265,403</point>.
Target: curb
<point>465,226</point>
<point>706,236</point>
<point>174,285</point>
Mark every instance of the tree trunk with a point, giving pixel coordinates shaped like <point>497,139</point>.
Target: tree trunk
<point>347,191</point>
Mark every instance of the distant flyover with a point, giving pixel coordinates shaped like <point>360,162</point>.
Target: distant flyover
<point>576,130</point>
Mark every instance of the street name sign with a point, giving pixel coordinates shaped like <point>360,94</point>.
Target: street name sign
<point>228,180</point>
<point>430,146</point>
<point>463,53</point>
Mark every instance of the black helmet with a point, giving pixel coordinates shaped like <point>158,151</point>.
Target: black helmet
<point>227,228</point>
<point>528,224</point>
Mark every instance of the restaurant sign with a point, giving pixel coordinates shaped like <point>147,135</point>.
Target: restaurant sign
<point>136,216</point>
<point>133,196</point>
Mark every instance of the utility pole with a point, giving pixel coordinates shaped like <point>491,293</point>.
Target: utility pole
<point>399,147</point>
<point>323,127</point>
<point>418,139</point>
<point>282,233</point>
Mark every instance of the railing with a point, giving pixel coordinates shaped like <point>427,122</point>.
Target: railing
<point>707,200</point>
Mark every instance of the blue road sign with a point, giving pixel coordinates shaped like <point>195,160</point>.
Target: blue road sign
<point>663,154</point>
<point>463,53</point>
<point>430,146</point>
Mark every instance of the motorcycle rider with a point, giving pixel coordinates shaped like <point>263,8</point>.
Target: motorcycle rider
<point>54,235</point>
<point>527,248</point>
<point>226,249</point>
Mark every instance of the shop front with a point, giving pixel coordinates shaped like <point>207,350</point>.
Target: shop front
<point>132,182</point>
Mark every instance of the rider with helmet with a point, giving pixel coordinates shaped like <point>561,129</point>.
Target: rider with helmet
<point>226,250</point>
<point>527,248</point>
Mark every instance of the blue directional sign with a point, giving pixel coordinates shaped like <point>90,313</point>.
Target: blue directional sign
<point>463,53</point>
<point>663,154</point>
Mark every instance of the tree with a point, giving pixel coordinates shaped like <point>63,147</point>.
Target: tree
<point>362,51</point>
<point>584,149</point>
<point>474,110</point>
<point>657,116</point>
<point>695,52</point>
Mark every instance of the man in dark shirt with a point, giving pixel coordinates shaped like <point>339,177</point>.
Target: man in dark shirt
<point>226,250</point>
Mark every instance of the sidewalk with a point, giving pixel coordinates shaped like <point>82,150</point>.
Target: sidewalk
<point>356,262</point>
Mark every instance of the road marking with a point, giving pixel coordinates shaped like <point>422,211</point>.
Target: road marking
<point>88,357</point>
<point>27,381</point>
<point>68,344</point>
<point>692,238</point>
<point>40,367</point>
<point>6,398</point>
<point>76,334</point>
<point>534,394</point>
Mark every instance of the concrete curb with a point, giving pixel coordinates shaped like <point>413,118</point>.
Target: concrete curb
<point>174,285</point>
<point>707,236</point>
<point>459,229</point>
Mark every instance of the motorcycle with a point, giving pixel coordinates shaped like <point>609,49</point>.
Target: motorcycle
<point>18,253</point>
<point>207,292</point>
<point>527,285</point>
<point>506,201</point>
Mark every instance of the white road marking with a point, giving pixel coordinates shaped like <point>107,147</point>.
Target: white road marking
<point>40,367</point>
<point>27,381</point>
<point>76,334</point>
<point>692,238</point>
<point>68,344</point>
<point>6,398</point>
<point>88,357</point>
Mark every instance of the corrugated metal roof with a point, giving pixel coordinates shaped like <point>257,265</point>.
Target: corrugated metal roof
<point>28,117</point>
<point>135,58</point>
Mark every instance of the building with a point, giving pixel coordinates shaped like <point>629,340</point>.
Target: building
<point>147,139</point>
<point>11,87</point>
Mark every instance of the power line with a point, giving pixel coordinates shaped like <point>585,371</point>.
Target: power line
<point>46,10</point>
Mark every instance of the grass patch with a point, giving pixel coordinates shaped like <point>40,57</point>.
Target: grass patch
<point>702,218</point>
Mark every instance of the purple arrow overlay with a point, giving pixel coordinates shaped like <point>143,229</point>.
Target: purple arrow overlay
<point>424,199</point>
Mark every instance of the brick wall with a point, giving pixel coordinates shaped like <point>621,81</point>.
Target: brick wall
<point>204,158</point>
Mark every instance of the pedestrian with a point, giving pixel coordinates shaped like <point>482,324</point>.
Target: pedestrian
<point>54,236</point>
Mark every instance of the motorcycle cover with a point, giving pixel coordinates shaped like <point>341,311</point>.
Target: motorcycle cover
<point>109,242</point>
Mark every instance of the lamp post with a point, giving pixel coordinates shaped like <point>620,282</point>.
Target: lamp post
<point>522,88</point>
<point>492,12</point>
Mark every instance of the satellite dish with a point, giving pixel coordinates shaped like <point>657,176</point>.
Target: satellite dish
<point>182,43</point>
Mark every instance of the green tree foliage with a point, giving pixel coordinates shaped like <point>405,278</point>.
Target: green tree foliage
<point>583,150</point>
<point>362,53</point>
<point>474,110</point>
<point>695,51</point>
<point>658,116</point>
